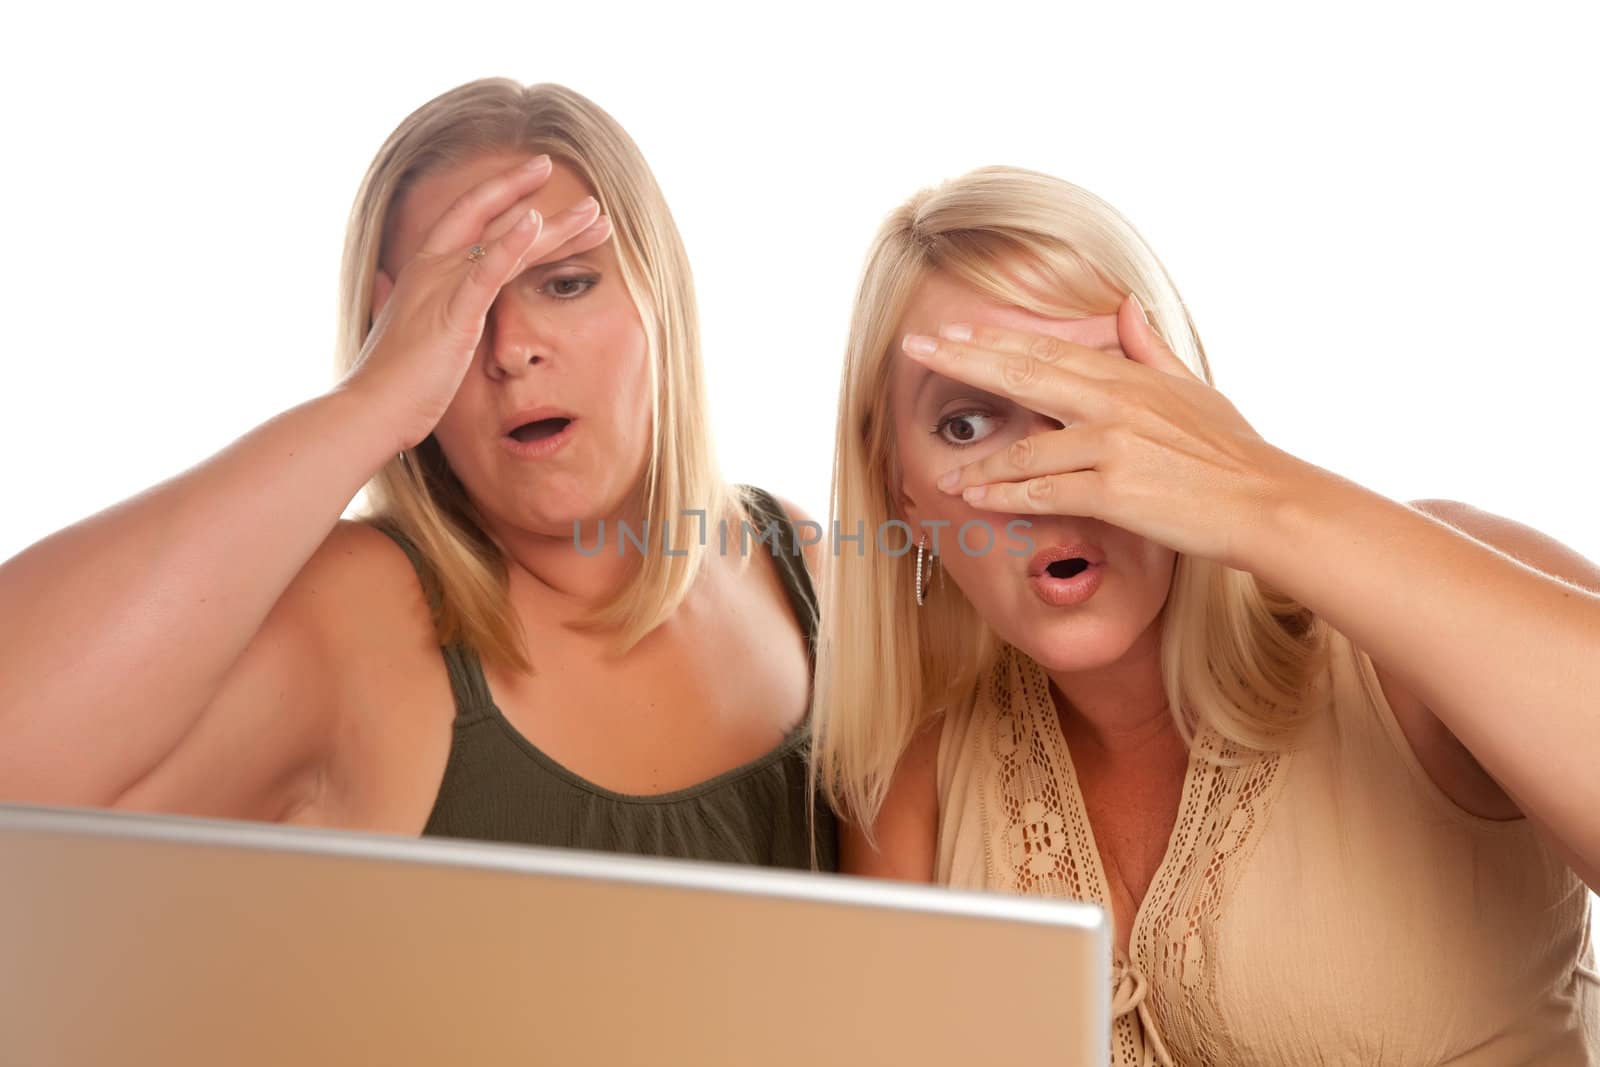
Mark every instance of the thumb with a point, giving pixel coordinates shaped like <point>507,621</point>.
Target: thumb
<point>1142,344</point>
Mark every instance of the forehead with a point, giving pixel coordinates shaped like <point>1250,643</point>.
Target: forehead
<point>431,195</point>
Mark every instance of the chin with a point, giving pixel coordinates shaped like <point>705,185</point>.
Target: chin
<point>545,512</point>
<point>1072,641</point>
<point>555,511</point>
<point>1075,652</point>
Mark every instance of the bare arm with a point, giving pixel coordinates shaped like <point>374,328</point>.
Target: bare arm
<point>275,741</point>
<point>907,828</point>
<point>1448,762</point>
<point>1486,626</point>
<point>119,633</point>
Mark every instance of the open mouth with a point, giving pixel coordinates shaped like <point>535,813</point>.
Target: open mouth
<point>1067,568</point>
<point>1067,575</point>
<point>539,429</point>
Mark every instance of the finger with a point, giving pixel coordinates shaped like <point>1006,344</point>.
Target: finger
<point>484,277</point>
<point>1017,330</point>
<point>559,230</point>
<point>502,223</point>
<point>1037,455</point>
<point>1075,493</point>
<point>597,234</point>
<point>1056,387</point>
<point>1143,345</point>
<point>464,221</point>
<point>1082,343</point>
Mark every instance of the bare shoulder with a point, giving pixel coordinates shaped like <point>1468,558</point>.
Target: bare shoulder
<point>356,553</point>
<point>811,547</point>
<point>357,581</point>
<point>906,831</point>
<point>1522,543</point>
<point>359,603</point>
<point>284,709</point>
<point>1450,765</point>
<point>360,597</point>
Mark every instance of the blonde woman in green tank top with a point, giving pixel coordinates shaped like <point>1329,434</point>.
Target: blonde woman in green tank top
<point>531,638</point>
<point>1327,760</point>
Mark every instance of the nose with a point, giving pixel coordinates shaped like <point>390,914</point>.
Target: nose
<point>512,339</point>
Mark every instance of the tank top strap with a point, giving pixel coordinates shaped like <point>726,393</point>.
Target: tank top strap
<point>788,555</point>
<point>468,686</point>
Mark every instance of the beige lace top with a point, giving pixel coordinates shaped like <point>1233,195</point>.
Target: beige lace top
<point>1328,905</point>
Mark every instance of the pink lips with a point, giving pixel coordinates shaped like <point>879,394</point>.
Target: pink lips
<point>540,447</point>
<point>535,414</point>
<point>1079,571</point>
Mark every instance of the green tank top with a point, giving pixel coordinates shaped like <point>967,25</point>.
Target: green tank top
<point>498,786</point>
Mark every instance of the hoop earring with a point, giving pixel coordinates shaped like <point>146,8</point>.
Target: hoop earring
<point>933,561</point>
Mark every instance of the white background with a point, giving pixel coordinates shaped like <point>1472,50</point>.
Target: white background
<point>1383,217</point>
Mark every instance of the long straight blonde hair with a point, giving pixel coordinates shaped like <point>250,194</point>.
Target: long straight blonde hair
<point>416,492</point>
<point>1235,656</point>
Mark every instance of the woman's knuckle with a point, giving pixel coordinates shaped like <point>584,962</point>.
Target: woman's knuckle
<point>1021,371</point>
<point>1045,349</point>
<point>1020,454</point>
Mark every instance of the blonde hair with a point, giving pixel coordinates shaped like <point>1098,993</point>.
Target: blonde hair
<point>1234,655</point>
<point>416,492</point>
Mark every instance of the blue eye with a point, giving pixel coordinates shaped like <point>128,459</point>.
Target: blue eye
<point>569,287</point>
<point>966,428</point>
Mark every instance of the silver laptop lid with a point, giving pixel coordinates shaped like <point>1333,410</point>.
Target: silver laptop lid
<point>135,939</point>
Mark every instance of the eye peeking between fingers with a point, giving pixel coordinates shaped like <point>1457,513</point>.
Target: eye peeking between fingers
<point>963,428</point>
<point>569,286</point>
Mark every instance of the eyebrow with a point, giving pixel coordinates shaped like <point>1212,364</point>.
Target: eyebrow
<point>568,261</point>
<point>929,377</point>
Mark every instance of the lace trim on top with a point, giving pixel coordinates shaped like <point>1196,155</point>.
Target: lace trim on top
<point>1038,841</point>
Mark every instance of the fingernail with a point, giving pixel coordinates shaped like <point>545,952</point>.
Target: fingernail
<point>956,331</point>
<point>948,480</point>
<point>974,494</point>
<point>918,345</point>
<point>538,163</point>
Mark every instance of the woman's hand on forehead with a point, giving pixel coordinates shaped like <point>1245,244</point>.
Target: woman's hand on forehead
<point>429,319</point>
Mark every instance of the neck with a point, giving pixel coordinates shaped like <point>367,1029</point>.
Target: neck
<point>584,579</point>
<point>586,568</point>
<point>1120,707</point>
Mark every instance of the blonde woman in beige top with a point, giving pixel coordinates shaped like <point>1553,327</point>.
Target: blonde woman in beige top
<point>1327,760</point>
